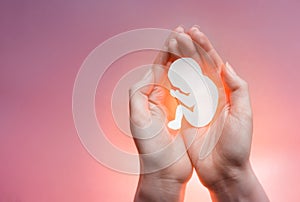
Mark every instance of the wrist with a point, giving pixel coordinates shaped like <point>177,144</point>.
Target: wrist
<point>241,185</point>
<point>154,187</point>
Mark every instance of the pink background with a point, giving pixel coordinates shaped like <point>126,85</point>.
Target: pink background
<point>43,44</point>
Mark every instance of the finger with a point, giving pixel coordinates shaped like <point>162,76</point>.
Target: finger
<point>238,92</point>
<point>164,57</point>
<point>186,46</point>
<point>173,48</point>
<point>172,43</point>
<point>174,54</point>
<point>203,43</point>
<point>159,67</point>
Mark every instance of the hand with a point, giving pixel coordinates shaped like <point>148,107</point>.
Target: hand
<point>149,113</point>
<point>226,171</point>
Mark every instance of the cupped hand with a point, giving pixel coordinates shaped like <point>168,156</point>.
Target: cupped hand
<point>226,170</point>
<point>162,154</point>
<point>233,147</point>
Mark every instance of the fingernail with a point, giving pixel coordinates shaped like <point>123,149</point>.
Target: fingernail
<point>179,29</point>
<point>230,69</point>
<point>193,29</point>
<point>181,25</point>
<point>196,26</point>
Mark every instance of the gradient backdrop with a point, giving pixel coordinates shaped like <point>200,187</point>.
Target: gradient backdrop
<point>43,44</point>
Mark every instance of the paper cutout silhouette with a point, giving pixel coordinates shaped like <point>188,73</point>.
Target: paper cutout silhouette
<point>196,93</point>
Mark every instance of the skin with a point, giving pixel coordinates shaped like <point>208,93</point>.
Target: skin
<point>167,184</point>
<point>226,172</point>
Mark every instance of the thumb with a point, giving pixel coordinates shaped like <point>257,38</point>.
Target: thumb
<point>138,100</point>
<point>237,91</point>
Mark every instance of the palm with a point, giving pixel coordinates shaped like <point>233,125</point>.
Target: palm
<point>236,127</point>
<point>237,132</point>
